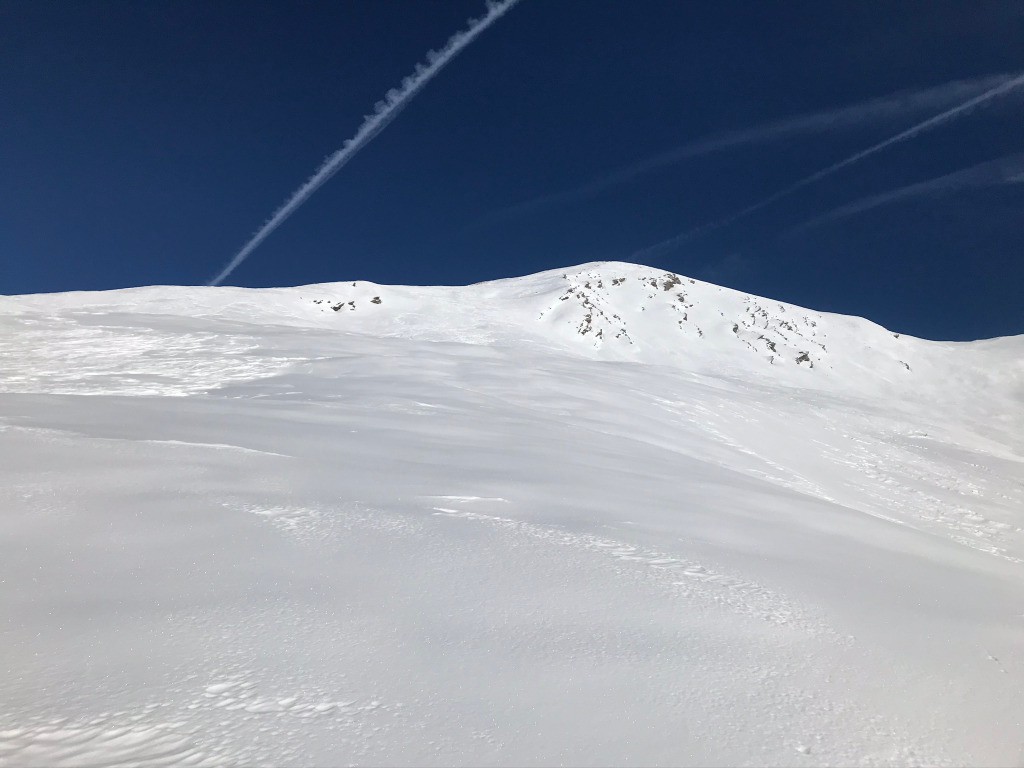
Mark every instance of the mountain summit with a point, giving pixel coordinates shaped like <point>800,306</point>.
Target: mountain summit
<point>609,311</point>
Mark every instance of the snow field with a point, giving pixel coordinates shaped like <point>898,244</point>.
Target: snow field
<point>240,527</point>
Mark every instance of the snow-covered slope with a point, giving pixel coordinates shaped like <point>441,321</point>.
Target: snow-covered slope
<point>598,515</point>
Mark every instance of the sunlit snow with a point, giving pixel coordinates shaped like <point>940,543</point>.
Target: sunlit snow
<point>602,515</point>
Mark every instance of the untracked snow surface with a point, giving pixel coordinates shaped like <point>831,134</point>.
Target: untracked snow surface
<point>605,515</point>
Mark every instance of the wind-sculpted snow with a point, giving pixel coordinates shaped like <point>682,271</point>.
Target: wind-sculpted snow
<point>135,360</point>
<point>679,575</point>
<point>601,515</point>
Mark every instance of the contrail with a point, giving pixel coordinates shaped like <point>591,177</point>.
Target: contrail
<point>879,110</point>
<point>949,114</point>
<point>384,112</point>
<point>1006,170</point>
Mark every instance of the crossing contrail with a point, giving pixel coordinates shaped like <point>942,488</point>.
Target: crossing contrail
<point>909,133</point>
<point>384,112</point>
<point>887,109</point>
<point>1006,170</point>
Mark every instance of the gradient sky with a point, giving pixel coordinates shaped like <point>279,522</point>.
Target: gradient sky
<point>144,142</point>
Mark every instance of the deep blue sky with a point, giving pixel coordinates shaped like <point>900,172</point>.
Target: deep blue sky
<point>143,142</point>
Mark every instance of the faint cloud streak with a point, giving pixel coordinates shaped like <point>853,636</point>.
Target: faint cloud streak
<point>881,110</point>
<point>1006,170</point>
<point>910,133</point>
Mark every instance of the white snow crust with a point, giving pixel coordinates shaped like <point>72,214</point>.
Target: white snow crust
<point>605,515</point>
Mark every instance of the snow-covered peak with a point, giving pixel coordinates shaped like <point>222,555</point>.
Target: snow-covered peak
<point>623,312</point>
<point>610,311</point>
